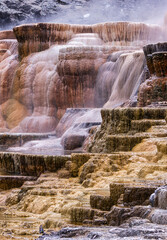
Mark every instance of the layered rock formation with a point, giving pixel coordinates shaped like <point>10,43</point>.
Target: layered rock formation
<point>122,129</point>
<point>8,65</point>
<point>83,188</point>
<point>38,37</point>
<point>60,68</point>
<point>154,89</point>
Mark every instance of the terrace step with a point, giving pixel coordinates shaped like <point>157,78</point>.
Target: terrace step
<point>150,168</point>
<point>18,139</point>
<point>132,193</point>
<point>101,202</point>
<point>144,124</point>
<point>12,181</point>
<point>119,120</point>
<point>81,215</point>
<point>162,145</point>
<point>158,131</point>
<point>122,142</point>
<point>30,165</point>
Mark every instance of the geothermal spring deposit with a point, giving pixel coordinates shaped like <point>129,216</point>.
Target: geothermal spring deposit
<point>83,119</point>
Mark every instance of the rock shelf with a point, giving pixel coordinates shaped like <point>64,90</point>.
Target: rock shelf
<point>31,165</point>
<point>94,188</point>
<point>18,139</point>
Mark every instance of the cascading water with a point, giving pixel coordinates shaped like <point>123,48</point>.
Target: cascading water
<point>55,78</point>
<point>71,66</point>
<point>119,78</point>
<point>42,67</point>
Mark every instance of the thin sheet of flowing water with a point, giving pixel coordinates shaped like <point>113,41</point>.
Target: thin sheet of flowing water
<point>50,146</point>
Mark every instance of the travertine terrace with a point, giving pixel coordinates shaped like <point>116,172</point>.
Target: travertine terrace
<point>56,68</point>
<point>47,68</point>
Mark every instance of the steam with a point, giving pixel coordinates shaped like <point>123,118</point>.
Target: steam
<point>96,11</point>
<point>149,11</point>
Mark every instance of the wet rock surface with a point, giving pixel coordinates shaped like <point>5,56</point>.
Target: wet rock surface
<point>154,89</point>
<point>73,141</point>
<point>30,165</point>
<point>129,149</point>
<point>122,129</point>
<point>160,63</point>
<point>8,182</point>
<point>60,63</point>
<point>140,230</point>
<point>82,188</point>
<point>159,198</point>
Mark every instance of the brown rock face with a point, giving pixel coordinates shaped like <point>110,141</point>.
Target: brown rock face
<point>77,70</point>
<point>8,65</point>
<point>156,58</point>
<point>39,37</point>
<point>30,165</point>
<point>47,86</point>
<point>152,48</point>
<point>7,35</point>
<point>137,195</point>
<point>33,87</point>
<point>103,203</point>
<point>150,64</point>
<point>73,141</point>
<point>160,63</point>
<point>13,112</point>
<point>154,89</point>
<point>8,182</point>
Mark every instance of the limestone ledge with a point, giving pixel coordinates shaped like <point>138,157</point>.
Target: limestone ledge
<point>153,90</point>
<point>123,128</point>
<point>119,120</point>
<point>31,165</point>
<point>39,37</point>
<point>16,139</point>
<point>9,182</point>
<point>152,48</point>
<point>156,56</point>
<point>8,34</point>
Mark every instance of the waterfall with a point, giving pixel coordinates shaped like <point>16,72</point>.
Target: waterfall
<point>69,66</point>
<point>62,66</point>
<point>119,78</point>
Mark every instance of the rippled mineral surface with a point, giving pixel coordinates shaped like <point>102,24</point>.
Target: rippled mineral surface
<point>135,229</point>
<point>69,169</point>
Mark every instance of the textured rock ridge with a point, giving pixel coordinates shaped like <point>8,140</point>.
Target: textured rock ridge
<point>9,34</point>
<point>95,188</point>
<point>121,129</point>
<point>30,165</point>
<point>38,37</point>
<point>154,89</point>
<point>59,67</point>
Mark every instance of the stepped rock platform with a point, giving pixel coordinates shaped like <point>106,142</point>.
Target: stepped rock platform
<point>109,186</point>
<point>18,139</point>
